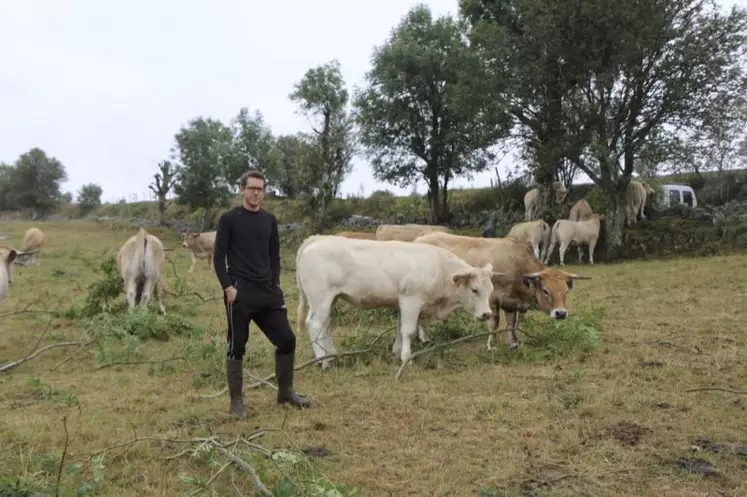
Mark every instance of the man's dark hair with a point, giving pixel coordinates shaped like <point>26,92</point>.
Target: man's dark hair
<point>252,174</point>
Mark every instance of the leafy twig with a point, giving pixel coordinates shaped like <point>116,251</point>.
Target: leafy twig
<point>128,363</point>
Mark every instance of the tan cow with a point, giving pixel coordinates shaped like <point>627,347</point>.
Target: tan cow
<point>358,235</point>
<point>140,262</point>
<point>525,278</point>
<point>635,200</point>
<point>581,211</point>
<point>530,199</point>
<point>535,233</point>
<point>581,233</point>
<point>406,232</point>
<point>200,245</point>
<point>33,240</point>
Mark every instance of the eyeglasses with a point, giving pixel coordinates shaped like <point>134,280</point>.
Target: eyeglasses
<point>255,189</point>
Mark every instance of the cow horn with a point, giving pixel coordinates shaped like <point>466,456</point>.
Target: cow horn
<point>578,277</point>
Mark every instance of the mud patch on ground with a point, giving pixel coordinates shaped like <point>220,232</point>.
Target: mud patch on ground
<point>696,465</point>
<point>706,444</point>
<point>316,451</point>
<point>627,433</point>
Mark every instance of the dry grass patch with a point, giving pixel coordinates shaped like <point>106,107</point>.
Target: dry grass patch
<point>596,406</point>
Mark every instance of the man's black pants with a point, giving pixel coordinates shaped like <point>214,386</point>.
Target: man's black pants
<point>265,306</point>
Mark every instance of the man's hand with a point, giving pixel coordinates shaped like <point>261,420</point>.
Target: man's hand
<point>231,293</point>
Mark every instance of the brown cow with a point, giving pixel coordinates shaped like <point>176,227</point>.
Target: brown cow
<point>140,262</point>
<point>200,245</point>
<point>525,279</point>
<point>357,234</point>
<point>33,240</point>
<point>407,232</point>
<point>581,211</point>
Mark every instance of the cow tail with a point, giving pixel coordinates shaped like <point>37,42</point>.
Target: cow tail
<point>141,263</point>
<point>554,235</point>
<point>302,310</point>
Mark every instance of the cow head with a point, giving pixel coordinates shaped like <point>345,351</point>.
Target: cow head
<point>551,286</point>
<point>647,189</point>
<point>474,288</point>
<point>188,237</point>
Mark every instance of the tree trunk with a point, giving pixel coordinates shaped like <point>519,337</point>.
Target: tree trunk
<point>161,210</point>
<point>445,200</point>
<point>613,224</point>
<point>434,200</point>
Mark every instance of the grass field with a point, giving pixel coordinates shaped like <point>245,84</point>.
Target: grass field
<point>610,420</point>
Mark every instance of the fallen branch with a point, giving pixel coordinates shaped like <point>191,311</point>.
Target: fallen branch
<point>443,345</point>
<point>70,357</point>
<point>716,389</point>
<point>13,364</point>
<point>62,459</point>
<point>129,363</point>
<point>180,280</point>
<point>197,445</point>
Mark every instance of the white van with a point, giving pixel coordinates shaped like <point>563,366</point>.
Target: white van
<point>672,194</point>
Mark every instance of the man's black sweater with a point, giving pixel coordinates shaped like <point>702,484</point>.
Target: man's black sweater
<point>250,241</point>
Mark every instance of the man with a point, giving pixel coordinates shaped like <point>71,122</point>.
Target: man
<point>247,236</point>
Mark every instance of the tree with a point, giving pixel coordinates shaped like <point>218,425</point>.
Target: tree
<point>322,97</point>
<point>163,181</point>
<point>647,66</point>
<point>290,150</point>
<point>89,198</point>
<point>418,118</point>
<point>204,148</point>
<point>253,147</point>
<point>66,198</point>
<point>521,45</point>
<point>6,177</point>
<point>34,182</point>
<point>615,74</point>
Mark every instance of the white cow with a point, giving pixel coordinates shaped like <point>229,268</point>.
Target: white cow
<point>423,281</point>
<point>534,233</point>
<point>7,256</point>
<point>578,232</point>
<point>140,262</point>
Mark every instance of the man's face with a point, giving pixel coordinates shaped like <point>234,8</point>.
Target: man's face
<point>254,191</point>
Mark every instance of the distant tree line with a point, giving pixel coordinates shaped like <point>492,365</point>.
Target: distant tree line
<point>612,90</point>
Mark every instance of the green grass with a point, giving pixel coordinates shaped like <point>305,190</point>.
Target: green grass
<point>552,419</point>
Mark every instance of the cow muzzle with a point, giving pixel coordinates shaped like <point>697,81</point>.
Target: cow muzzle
<point>559,313</point>
<point>485,316</point>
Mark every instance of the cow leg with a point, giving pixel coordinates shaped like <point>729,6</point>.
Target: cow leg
<point>592,244</point>
<point>563,248</point>
<point>422,335</point>
<point>145,297</point>
<point>493,323</point>
<point>409,316</point>
<point>210,260</point>
<point>643,214</point>
<point>159,296</point>
<point>580,253</point>
<point>130,288</point>
<point>536,250</point>
<point>319,328</point>
<point>397,345</point>
<point>194,259</point>
<point>512,319</point>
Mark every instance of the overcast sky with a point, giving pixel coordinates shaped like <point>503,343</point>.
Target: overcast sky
<point>103,86</point>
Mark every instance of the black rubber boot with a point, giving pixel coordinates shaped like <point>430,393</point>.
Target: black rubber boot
<point>235,378</point>
<point>284,375</point>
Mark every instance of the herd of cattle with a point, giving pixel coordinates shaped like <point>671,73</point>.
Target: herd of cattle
<point>424,271</point>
